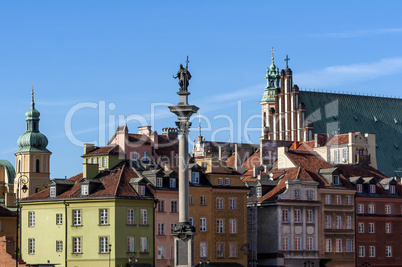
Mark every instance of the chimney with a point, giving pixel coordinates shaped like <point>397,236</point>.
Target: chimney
<point>295,145</point>
<point>88,148</point>
<point>90,170</point>
<point>146,130</point>
<point>171,133</point>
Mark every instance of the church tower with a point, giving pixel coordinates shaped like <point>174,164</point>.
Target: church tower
<point>32,157</point>
<point>268,98</point>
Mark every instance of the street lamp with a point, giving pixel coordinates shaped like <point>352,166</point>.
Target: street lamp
<point>22,180</point>
<point>110,250</point>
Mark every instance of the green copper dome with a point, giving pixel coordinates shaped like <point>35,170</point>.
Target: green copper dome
<point>32,140</point>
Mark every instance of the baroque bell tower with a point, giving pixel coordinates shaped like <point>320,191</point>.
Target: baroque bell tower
<point>267,102</point>
<point>32,157</point>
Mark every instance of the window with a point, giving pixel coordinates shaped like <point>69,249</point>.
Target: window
<point>203,249</point>
<point>172,183</point>
<point>227,181</point>
<point>387,209</point>
<point>232,226</point>
<point>89,161</point>
<point>31,219</point>
<point>76,217</point>
<point>336,180</point>
<point>310,243</point>
<point>173,206</point>
<point>130,244</point>
<point>338,222</point>
<point>59,245</point>
<point>191,221</point>
<point>285,215</point>
<point>388,251</point>
<point>297,193</point>
<point>328,245</point>
<point>348,222</point>
<point>130,216</point>
<point>159,182</point>
<point>77,245</point>
<point>392,189</point>
<point>104,161</point>
<point>328,199</point>
<point>190,200</point>
<point>371,251</point>
<point>285,243</point>
<point>348,200</point>
<point>135,155</point>
<point>349,245</point>
<point>345,155</point>
<point>362,251</point>
<point>298,244</point>
<point>172,226</point>
<point>232,250</point>
<point>361,208</point>
<point>161,253</point>
<point>196,177</point>
<point>338,245</point>
<point>145,156</point>
<point>310,194</point>
<point>371,228</point>
<point>144,216</point>
<point>310,218</point>
<point>172,252</point>
<point>359,188</point>
<point>387,228</point>
<point>161,229</point>
<point>338,200</point>
<point>144,244</point>
<point>372,188</point>
<point>371,208</point>
<point>141,190</point>
<point>103,244</point>
<point>219,203</point>
<point>259,191</point>
<point>220,250</point>
<point>336,155</point>
<point>328,222</point>
<point>203,200</point>
<point>84,190</point>
<point>161,206</point>
<point>103,217</point>
<point>297,216</point>
<point>220,226</point>
<point>59,218</point>
<point>37,163</point>
<point>361,227</point>
<point>203,224</point>
<point>93,160</point>
<point>31,245</point>
<point>53,191</point>
<point>232,203</point>
<point>99,162</point>
<point>220,181</point>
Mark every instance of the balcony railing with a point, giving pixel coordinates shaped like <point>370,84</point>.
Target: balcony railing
<point>363,159</point>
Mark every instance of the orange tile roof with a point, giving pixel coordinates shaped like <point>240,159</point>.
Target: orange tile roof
<point>105,150</point>
<point>338,139</point>
<point>230,161</point>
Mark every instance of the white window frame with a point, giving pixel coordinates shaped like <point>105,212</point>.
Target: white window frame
<point>196,177</point>
<point>285,215</point>
<point>174,206</point>
<point>348,222</point>
<point>53,191</point>
<point>145,156</point>
<point>219,203</point>
<point>31,246</point>
<point>328,222</point>
<point>297,194</point>
<point>327,199</point>
<point>104,159</point>
<point>103,217</point>
<point>362,251</point>
<point>220,250</point>
<point>172,183</point>
<point>359,188</point>
<point>135,155</point>
<point>310,243</point>
<point>387,209</point>
<point>161,229</point>
<point>84,190</point>
<point>159,181</point>
<point>220,181</point>
<point>328,245</point>
<point>203,249</point>
<point>59,245</point>
<point>141,190</point>
<point>285,243</point>
<point>361,208</point>
<point>203,200</point>
<point>59,218</point>
<point>31,219</point>
<point>143,244</point>
<point>371,228</point>
<point>388,251</point>
<point>232,226</point>
<point>144,217</point>
<point>190,200</point>
<point>338,246</point>
<point>338,199</point>
<point>371,209</point>
<point>77,219</point>
<point>337,155</point>
<point>130,216</point>
<point>348,200</point>
<point>103,244</point>
<point>349,245</point>
<point>232,250</point>
<point>392,189</point>
<point>371,251</point>
<point>259,191</point>
<point>310,216</point>
<point>339,222</point>
<point>161,255</point>
<point>77,248</point>
<point>227,181</point>
<point>130,244</point>
<point>203,224</point>
<point>336,180</point>
<point>297,214</point>
<point>298,243</point>
<point>372,188</point>
<point>233,203</point>
<point>220,226</point>
<point>361,228</point>
<point>388,228</point>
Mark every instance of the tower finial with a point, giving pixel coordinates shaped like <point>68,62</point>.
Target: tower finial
<point>199,123</point>
<point>32,92</point>
<point>272,52</point>
<point>287,61</point>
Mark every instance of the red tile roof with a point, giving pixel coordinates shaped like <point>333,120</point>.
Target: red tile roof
<point>230,161</point>
<point>105,150</point>
<point>140,139</point>
<point>114,184</point>
<point>308,145</point>
<point>4,212</point>
<point>338,139</point>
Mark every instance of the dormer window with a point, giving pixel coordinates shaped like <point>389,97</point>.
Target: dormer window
<point>259,191</point>
<point>227,181</point>
<point>84,190</point>
<point>372,188</point>
<point>220,181</point>
<point>145,156</point>
<point>297,193</point>
<point>392,189</point>
<point>135,155</point>
<point>142,190</point>
<point>158,182</point>
<point>196,177</point>
<point>172,183</point>
<point>336,180</point>
<point>359,188</point>
<point>53,191</point>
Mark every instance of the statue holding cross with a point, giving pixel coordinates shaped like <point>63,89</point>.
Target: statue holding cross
<point>184,76</point>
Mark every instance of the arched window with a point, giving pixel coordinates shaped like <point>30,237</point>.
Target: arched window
<point>37,165</point>
<point>37,190</point>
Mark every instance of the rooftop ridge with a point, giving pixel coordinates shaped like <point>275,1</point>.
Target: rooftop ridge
<point>348,93</point>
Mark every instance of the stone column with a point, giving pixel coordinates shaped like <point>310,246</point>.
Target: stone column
<point>183,232</point>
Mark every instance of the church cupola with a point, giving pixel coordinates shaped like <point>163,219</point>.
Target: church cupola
<point>273,79</point>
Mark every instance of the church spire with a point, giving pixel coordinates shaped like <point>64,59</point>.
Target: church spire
<point>273,78</point>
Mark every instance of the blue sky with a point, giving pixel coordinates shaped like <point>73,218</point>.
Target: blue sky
<point>106,59</point>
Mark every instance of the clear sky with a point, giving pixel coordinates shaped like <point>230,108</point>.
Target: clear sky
<point>93,62</point>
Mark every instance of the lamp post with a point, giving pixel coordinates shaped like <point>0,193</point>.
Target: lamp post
<point>22,180</point>
<point>308,263</point>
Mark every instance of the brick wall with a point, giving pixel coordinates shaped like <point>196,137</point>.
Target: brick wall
<point>7,253</point>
